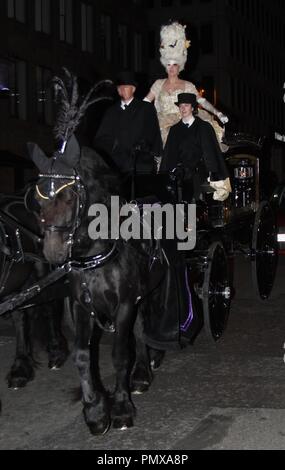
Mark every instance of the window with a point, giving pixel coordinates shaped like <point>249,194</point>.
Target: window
<point>18,89</point>
<point>138,52</point>
<point>66,21</point>
<point>106,37</point>
<point>44,96</point>
<point>86,27</point>
<point>42,16</point>
<point>122,42</point>
<point>17,9</point>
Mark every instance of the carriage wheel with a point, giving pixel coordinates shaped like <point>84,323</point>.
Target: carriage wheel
<point>216,291</point>
<point>264,252</point>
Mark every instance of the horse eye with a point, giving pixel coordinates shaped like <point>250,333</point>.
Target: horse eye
<point>69,200</point>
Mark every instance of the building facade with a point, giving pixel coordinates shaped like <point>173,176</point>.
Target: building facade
<point>93,39</point>
<point>237,56</point>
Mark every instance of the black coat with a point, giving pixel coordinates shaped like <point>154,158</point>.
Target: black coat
<point>122,130</point>
<point>197,148</point>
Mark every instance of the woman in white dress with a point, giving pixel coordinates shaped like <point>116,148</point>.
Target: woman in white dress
<point>164,92</point>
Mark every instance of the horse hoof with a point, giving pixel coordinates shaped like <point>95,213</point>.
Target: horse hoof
<point>156,361</point>
<point>17,382</point>
<point>123,428</point>
<point>56,364</point>
<point>99,429</point>
<point>97,426</point>
<point>54,367</point>
<point>20,373</point>
<point>138,388</point>
<point>123,423</point>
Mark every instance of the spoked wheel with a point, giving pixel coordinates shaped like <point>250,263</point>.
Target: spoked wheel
<point>264,250</point>
<point>216,291</point>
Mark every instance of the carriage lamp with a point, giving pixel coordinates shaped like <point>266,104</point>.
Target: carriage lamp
<point>243,184</point>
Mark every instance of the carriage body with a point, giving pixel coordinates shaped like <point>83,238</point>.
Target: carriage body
<point>243,224</point>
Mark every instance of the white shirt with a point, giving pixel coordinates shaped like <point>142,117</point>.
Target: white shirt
<point>189,121</point>
<point>126,103</point>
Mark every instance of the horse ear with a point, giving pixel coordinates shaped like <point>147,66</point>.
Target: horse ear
<point>39,158</point>
<point>71,155</point>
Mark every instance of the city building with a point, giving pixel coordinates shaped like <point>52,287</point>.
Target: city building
<point>236,59</point>
<point>93,39</point>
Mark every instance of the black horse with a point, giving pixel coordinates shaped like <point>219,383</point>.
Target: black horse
<point>109,279</point>
<point>21,264</point>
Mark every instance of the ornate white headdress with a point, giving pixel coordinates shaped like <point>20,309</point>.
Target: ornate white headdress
<point>173,44</point>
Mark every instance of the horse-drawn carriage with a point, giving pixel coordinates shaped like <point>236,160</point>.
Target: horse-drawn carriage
<point>111,278</point>
<point>241,225</point>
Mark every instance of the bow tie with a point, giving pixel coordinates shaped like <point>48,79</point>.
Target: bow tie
<point>186,124</point>
<point>124,106</point>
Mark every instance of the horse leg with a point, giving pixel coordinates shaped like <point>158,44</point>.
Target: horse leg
<point>22,370</point>
<point>122,407</point>
<point>57,345</point>
<point>156,357</point>
<point>142,375</point>
<point>95,403</point>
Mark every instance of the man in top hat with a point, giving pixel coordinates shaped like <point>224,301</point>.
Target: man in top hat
<point>129,131</point>
<point>192,142</point>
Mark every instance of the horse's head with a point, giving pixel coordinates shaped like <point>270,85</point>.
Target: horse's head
<point>60,196</point>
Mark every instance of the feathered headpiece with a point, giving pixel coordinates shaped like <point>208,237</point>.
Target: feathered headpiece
<point>71,106</point>
<point>71,110</point>
<point>173,45</point>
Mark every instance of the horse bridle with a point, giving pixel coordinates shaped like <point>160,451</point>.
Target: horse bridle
<point>80,192</point>
<point>92,261</point>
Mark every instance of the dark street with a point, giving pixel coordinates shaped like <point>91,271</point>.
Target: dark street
<point>228,395</point>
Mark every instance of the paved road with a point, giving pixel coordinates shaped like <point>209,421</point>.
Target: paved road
<point>225,396</point>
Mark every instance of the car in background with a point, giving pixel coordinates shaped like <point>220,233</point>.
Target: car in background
<point>278,204</point>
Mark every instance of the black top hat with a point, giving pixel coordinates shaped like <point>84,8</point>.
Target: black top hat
<point>126,78</point>
<point>188,98</point>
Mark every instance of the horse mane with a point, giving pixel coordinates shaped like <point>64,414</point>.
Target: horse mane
<point>100,177</point>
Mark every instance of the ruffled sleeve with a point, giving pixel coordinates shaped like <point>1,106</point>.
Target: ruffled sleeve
<point>190,88</point>
<point>156,87</point>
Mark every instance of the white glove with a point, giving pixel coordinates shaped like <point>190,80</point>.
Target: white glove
<point>220,195</point>
<point>224,119</point>
<point>222,189</point>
